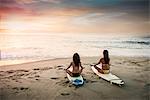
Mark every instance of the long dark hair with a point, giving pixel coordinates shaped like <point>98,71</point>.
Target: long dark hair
<point>106,56</point>
<point>76,59</point>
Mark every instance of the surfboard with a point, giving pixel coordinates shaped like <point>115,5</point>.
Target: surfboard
<point>77,81</point>
<point>108,77</point>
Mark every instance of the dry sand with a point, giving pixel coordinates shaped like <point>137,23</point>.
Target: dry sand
<point>46,80</point>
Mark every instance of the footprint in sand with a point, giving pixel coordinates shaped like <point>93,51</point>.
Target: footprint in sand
<point>1,71</point>
<point>55,78</point>
<point>15,88</point>
<point>65,94</point>
<point>36,69</point>
<point>10,71</point>
<point>59,67</point>
<point>36,79</point>
<point>43,69</point>
<point>37,76</point>
<point>20,88</point>
<point>23,70</point>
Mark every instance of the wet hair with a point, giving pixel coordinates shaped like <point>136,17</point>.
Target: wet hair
<point>76,59</point>
<point>106,56</point>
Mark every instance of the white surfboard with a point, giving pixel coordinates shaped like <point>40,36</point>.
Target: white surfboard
<point>75,80</point>
<point>108,77</point>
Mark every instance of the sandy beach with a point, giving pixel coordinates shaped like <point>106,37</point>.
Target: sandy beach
<point>46,80</point>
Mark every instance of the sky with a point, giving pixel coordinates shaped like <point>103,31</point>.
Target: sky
<point>75,16</point>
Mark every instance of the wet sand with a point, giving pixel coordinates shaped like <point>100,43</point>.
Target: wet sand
<point>46,80</point>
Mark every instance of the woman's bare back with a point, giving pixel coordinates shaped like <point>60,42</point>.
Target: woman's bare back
<point>104,65</point>
<point>75,68</point>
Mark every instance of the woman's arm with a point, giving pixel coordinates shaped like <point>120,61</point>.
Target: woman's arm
<point>81,65</point>
<point>98,62</point>
<point>69,65</point>
<point>81,68</point>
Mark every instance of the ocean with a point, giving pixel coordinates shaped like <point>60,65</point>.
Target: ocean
<point>24,48</point>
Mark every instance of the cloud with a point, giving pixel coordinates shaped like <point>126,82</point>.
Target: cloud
<point>7,1</point>
<point>37,1</point>
<point>53,1</point>
<point>133,7</point>
<point>4,11</point>
<point>84,13</point>
<point>26,1</point>
<point>138,8</point>
<point>97,18</point>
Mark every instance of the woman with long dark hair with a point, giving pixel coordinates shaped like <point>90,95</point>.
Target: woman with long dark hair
<point>104,63</point>
<point>76,64</point>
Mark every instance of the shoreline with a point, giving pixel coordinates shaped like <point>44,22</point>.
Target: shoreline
<point>46,80</point>
<point>18,62</point>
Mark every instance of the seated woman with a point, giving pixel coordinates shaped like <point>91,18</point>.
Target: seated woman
<point>76,64</point>
<point>104,63</point>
